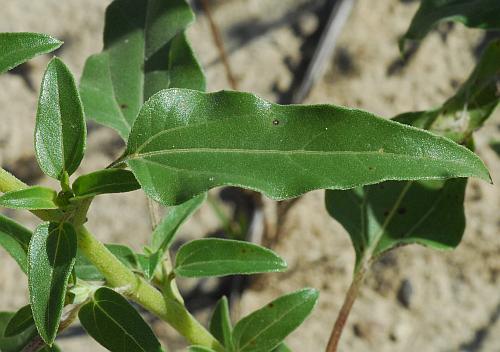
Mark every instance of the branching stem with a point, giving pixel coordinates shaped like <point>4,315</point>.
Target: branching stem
<point>118,275</point>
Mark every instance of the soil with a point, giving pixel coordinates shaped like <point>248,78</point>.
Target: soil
<point>414,299</point>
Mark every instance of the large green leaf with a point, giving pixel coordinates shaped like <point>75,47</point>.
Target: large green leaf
<point>31,198</point>
<point>16,48</point>
<point>145,50</point>
<point>105,181</point>
<point>381,217</point>
<point>15,239</point>
<point>20,322</point>
<point>164,233</point>
<point>218,257</point>
<point>266,328</point>
<point>85,270</point>
<point>51,257</point>
<point>185,142</point>
<point>14,343</point>
<point>483,14</point>
<point>116,325</point>
<point>220,324</point>
<point>60,129</point>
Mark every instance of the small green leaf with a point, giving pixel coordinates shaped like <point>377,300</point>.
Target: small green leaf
<point>281,151</point>
<point>20,322</point>
<point>51,257</point>
<point>483,14</point>
<point>164,233</point>
<point>145,50</point>
<point>200,349</point>
<point>105,181</point>
<point>116,325</point>
<point>15,239</point>
<point>218,257</point>
<point>220,324</point>
<point>17,48</point>
<point>85,270</point>
<point>31,198</point>
<point>15,343</point>
<point>60,129</point>
<point>267,327</point>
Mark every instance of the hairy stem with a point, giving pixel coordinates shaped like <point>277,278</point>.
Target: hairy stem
<point>349,299</point>
<point>118,275</point>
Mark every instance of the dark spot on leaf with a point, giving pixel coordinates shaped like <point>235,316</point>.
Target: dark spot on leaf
<point>401,210</point>
<point>243,251</point>
<point>276,122</point>
<point>386,212</point>
<point>270,305</point>
<point>370,168</point>
<point>123,106</point>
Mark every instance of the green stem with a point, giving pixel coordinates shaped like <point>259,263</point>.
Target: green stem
<point>169,310</point>
<point>118,275</point>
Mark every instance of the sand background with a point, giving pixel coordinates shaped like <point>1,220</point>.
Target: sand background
<point>454,298</point>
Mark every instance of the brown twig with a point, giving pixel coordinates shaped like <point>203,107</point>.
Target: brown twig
<point>350,297</point>
<point>220,45</point>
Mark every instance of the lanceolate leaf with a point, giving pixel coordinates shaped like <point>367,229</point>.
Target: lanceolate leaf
<point>185,142</point>
<point>267,327</point>
<point>20,322</point>
<point>30,198</point>
<point>145,50</point>
<point>15,239</point>
<point>105,181</point>
<point>164,233</point>
<point>116,325</point>
<point>217,257</point>
<point>51,258</point>
<point>14,343</point>
<point>391,214</point>
<point>16,48</point>
<point>220,324</point>
<point>85,270</point>
<point>483,14</point>
<point>60,129</point>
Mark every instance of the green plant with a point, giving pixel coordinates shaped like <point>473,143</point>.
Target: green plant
<point>181,142</point>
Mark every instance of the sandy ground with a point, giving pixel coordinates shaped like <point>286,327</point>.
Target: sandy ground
<point>454,298</point>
